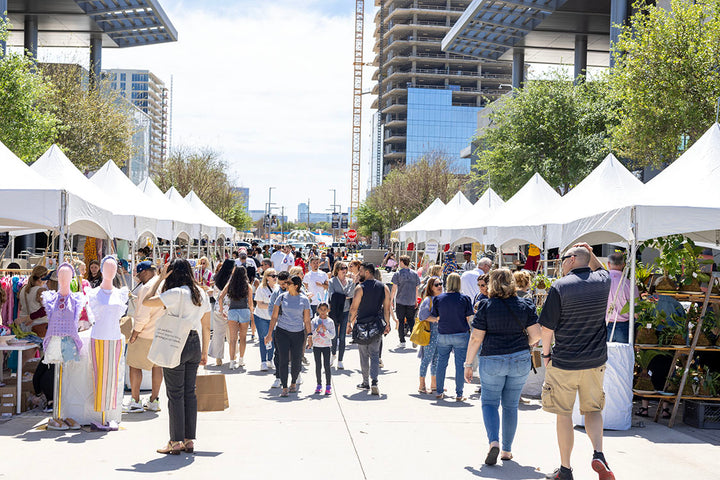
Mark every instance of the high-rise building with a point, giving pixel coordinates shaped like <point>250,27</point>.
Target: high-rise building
<point>428,99</point>
<point>243,194</point>
<point>305,216</point>
<point>147,92</point>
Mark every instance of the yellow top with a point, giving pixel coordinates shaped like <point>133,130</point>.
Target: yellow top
<point>533,251</point>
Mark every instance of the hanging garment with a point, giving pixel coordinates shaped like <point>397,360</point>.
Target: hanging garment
<point>106,371</point>
<point>63,314</point>
<point>107,307</point>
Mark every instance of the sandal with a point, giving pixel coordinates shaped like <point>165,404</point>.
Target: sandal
<point>440,396</point>
<point>492,455</point>
<point>506,456</point>
<point>189,446</point>
<point>422,391</point>
<point>72,424</point>
<point>642,412</point>
<point>666,413</point>
<point>284,392</point>
<point>293,388</point>
<point>172,448</point>
<point>57,425</point>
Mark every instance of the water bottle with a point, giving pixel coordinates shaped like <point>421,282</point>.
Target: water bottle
<point>268,346</point>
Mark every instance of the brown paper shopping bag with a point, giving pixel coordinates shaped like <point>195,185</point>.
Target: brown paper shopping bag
<point>211,393</point>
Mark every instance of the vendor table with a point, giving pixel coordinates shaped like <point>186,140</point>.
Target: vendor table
<point>17,348</point>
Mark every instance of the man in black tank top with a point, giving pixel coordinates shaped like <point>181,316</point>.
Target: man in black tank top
<point>371,302</point>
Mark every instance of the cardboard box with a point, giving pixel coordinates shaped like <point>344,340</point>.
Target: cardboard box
<point>31,365</point>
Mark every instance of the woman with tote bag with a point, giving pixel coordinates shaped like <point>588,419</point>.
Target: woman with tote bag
<point>186,302</point>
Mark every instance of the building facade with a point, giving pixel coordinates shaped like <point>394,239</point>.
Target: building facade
<point>147,92</point>
<point>304,215</point>
<point>427,97</point>
<point>243,194</point>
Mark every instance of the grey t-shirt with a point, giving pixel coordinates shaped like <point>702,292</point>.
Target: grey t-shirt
<point>407,282</point>
<point>292,309</point>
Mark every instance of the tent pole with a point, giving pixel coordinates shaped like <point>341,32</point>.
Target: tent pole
<point>132,265</point>
<point>63,226</point>
<point>633,254</point>
<point>545,250</point>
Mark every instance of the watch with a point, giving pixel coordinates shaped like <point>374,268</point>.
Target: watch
<point>546,356</point>
<point>468,365</point>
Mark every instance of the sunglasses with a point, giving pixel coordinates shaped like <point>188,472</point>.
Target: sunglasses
<point>438,285</point>
<point>273,276</point>
<point>343,268</point>
<point>562,259</point>
<point>482,285</point>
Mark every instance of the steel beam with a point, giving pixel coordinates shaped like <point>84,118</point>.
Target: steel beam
<point>518,68</point>
<point>95,59</point>
<point>581,51</point>
<point>31,36</point>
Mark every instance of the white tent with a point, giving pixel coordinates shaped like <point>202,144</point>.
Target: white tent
<point>508,225</point>
<point>408,232</point>
<point>175,197</point>
<point>115,184</point>
<point>223,228</point>
<point>432,228</point>
<point>90,211</point>
<point>181,221</point>
<point>471,225</point>
<point>27,200</point>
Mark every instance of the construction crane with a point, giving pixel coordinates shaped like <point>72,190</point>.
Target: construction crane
<point>357,106</point>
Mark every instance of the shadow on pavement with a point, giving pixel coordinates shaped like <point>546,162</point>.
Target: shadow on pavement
<point>507,470</point>
<point>139,417</point>
<point>364,396</point>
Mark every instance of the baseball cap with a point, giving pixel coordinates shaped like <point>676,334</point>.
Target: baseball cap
<point>142,266</point>
<point>467,252</point>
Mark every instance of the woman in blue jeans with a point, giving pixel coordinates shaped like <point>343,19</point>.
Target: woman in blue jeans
<point>262,315</point>
<point>500,326</point>
<point>433,288</point>
<point>452,311</point>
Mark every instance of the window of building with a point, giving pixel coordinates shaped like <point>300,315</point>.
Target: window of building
<point>139,77</point>
<point>122,77</point>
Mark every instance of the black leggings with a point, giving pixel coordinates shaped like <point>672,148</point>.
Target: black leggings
<point>325,353</point>
<point>44,380</point>
<point>290,348</point>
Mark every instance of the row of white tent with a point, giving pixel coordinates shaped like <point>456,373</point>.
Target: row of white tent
<point>53,195</point>
<point>609,206</point>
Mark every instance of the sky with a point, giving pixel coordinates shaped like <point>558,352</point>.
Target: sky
<point>269,85</point>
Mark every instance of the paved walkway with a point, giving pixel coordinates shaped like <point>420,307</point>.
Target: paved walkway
<point>349,435</point>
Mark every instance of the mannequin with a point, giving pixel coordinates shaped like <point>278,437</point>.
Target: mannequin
<point>107,305</point>
<point>61,343</point>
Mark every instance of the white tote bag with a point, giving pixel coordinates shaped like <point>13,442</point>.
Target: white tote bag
<point>171,333</point>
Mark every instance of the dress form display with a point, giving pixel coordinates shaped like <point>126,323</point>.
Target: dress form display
<point>62,343</point>
<point>107,306</point>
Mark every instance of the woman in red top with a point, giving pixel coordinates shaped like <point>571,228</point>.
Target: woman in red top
<point>299,262</point>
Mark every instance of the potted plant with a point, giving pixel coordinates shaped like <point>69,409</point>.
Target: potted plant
<point>711,327</point>
<point>643,274</point>
<point>643,383</point>
<point>692,275</point>
<point>675,332</point>
<point>710,385</point>
<point>648,321</point>
<point>669,261</point>
<point>542,282</point>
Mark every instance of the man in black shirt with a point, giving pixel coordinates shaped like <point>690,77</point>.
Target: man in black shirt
<point>574,314</point>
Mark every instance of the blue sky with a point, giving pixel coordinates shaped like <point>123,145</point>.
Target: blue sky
<point>269,84</point>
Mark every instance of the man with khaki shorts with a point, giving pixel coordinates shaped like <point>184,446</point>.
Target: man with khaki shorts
<point>574,314</point>
<point>140,341</point>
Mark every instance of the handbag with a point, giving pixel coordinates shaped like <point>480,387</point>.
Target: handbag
<point>171,333</point>
<point>367,332</point>
<point>211,391</point>
<point>530,348</point>
<point>421,331</point>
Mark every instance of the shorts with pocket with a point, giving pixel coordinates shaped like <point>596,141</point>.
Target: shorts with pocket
<point>240,315</point>
<point>561,387</point>
<point>137,354</point>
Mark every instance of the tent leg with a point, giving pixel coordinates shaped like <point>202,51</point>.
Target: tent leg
<point>633,253</point>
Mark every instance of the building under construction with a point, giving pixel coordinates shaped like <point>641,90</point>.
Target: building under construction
<point>427,100</point>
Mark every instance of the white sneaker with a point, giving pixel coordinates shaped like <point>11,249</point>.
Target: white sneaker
<point>277,383</point>
<point>240,362</point>
<point>332,360</point>
<point>134,407</point>
<point>263,367</point>
<point>233,365</point>
<point>299,380</point>
<point>381,364</point>
<point>153,406</point>
<point>402,344</point>
<point>340,366</point>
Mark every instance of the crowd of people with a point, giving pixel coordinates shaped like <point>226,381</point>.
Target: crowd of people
<point>292,302</point>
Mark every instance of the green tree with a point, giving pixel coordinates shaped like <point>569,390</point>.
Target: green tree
<point>97,123</point>
<point>666,79</point>
<point>238,217</point>
<point>550,126</point>
<point>28,125</point>
<point>203,171</point>
<point>406,191</point>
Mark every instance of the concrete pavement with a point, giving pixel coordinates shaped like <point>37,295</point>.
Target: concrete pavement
<point>349,435</point>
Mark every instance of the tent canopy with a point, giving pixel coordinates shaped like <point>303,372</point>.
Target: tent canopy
<point>509,224</point>
<point>115,184</point>
<point>223,228</point>
<point>27,200</point>
<point>180,222</point>
<point>470,226</point>
<point>443,218</point>
<point>90,211</point>
<point>409,231</point>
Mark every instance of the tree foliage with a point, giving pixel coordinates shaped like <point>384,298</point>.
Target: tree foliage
<point>667,79</point>
<point>406,191</point>
<point>203,171</point>
<point>550,126</point>
<point>28,125</point>
<point>97,123</point>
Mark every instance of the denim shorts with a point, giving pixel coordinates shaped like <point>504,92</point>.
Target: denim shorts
<point>241,315</point>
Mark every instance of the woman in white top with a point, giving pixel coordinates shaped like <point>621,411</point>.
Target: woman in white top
<point>262,315</point>
<point>183,298</point>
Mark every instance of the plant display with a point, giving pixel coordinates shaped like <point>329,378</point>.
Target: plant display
<point>542,282</point>
<point>675,332</point>
<point>643,274</point>
<point>648,320</point>
<point>679,260</point>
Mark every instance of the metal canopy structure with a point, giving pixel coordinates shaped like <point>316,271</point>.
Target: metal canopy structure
<point>74,23</point>
<point>545,30</point>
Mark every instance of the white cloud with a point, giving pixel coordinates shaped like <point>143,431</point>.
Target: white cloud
<point>271,87</point>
